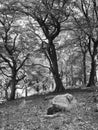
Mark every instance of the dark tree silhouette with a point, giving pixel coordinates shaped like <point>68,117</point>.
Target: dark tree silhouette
<point>50,15</point>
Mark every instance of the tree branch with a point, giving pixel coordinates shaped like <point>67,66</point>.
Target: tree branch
<point>4,73</point>
<point>22,62</point>
<point>20,78</point>
<point>6,60</point>
<point>14,42</point>
<point>42,66</point>
<point>95,9</point>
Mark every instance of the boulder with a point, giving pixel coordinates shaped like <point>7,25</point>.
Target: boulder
<point>62,103</point>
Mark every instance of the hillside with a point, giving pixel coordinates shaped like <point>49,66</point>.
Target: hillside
<point>29,114</point>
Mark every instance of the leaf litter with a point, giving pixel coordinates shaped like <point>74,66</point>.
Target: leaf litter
<point>31,115</point>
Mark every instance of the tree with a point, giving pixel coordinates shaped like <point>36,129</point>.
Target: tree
<point>70,63</point>
<point>50,15</point>
<point>82,43</point>
<point>86,20</point>
<point>11,51</point>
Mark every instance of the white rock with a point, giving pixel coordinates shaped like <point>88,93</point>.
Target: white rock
<point>66,101</point>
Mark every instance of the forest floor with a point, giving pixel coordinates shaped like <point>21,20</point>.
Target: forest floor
<point>30,114</point>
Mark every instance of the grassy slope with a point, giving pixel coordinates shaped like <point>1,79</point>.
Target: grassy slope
<point>28,114</point>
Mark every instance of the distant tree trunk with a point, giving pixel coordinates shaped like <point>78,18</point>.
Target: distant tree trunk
<point>93,63</point>
<point>84,68</point>
<point>92,73</point>
<point>13,83</point>
<point>72,79</point>
<point>26,91</point>
<point>6,94</point>
<point>54,67</point>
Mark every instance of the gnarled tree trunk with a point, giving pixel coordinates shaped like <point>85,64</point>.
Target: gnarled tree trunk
<point>54,67</point>
<point>59,84</point>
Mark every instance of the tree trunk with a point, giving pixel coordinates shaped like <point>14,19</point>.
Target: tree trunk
<point>54,67</point>
<point>84,68</point>
<point>13,83</point>
<point>26,91</point>
<point>13,89</point>
<point>92,73</point>
<point>93,65</point>
<point>72,79</point>
<point>59,84</point>
<point>6,94</point>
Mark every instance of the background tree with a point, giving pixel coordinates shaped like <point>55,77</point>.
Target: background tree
<point>70,63</point>
<point>11,54</point>
<point>86,20</point>
<point>81,41</point>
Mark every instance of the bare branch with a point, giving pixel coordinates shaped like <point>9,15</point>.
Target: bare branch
<point>42,66</point>
<point>4,73</point>
<point>21,78</point>
<point>95,9</point>
<point>23,62</point>
<point>81,26</point>
<point>6,60</point>
<point>14,42</point>
<point>85,12</point>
